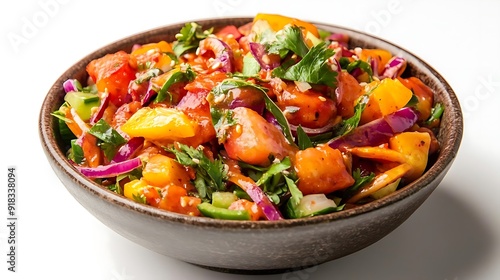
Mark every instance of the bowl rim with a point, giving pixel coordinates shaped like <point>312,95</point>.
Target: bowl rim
<point>58,159</point>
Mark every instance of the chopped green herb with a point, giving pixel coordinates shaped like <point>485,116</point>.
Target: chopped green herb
<point>436,113</point>
<point>210,175</point>
<point>363,65</point>
<point>177,76</point>
<point>303,139</point>
<point>110,138</point>
<point>289,39</point>
<point>188,37</point>
<point>351,123</point>
<point>312,68</point>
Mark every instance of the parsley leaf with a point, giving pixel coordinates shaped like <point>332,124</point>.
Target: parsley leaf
<point>289,39</point>
<point>292,210</point>
<point>188,37</point>
<point>313,68</point>
<point>210,175</point>
<point>76,152</point>
<point>110,138</point>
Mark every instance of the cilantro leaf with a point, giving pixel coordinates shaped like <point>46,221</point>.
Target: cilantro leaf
<point>289,39</point>
<point>274,169</point>
<point>110,138</point>
<point>188,37</point>
<point>313,68</point>
<point>210,175</point>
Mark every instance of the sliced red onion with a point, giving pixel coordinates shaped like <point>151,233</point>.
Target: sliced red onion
<point>313,131</point>
<point>393,67</point>
<point>356,72</point>
<point>347,53</point>
<point>259,53</point>
<point>128,149</point>
<point>223,54</point>
<point>111,170</point>
<point>70,85</point>
<point>150,93</point>
<point>339,37</point>
<point>259,197</point>
<point>100,110</point>
<point>378,131</point>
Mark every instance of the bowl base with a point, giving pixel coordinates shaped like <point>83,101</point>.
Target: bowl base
<point>252,272</point>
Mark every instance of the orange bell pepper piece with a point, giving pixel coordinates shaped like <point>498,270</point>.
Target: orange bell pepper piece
<point>277,22</point>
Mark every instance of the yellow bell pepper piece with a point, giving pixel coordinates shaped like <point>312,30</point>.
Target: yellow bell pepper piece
<point>378,153</point>
<point>134,188</point>
<point>389,96</point>
<point>161,170</point>
<point>160,123</point>
<point>277,22</point>
<point>415,147</point>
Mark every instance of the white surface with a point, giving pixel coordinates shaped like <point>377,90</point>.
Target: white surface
<point>454,235</point>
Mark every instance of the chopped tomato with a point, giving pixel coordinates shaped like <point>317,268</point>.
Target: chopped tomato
<point>112,73</point>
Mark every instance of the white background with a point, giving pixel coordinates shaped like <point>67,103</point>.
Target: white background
<point>455,235</point>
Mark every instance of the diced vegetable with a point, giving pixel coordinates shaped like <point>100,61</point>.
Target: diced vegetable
<point>378,131</point>
<point>83,102</point>
<point>388,97</point>
<point>414,146</point>
<point>212,211</point>
<point>223,199</point>
<point>321,170</point>
<point>159,123</point>
<point>161,171</point>
<point>112,73</point>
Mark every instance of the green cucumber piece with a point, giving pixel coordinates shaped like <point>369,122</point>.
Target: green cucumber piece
<point>82,102</point>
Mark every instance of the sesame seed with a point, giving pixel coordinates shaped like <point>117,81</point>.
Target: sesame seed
<point>239,129</point>
<point>266,59</point>
<point>322,98</point>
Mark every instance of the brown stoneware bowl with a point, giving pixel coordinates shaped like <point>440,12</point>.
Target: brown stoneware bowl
<point>246,246</point>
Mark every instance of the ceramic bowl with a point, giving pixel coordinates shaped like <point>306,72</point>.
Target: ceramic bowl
<point>246,246</point>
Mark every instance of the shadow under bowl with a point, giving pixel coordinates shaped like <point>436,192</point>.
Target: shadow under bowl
<point>246,246</point>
